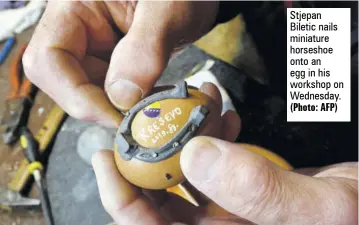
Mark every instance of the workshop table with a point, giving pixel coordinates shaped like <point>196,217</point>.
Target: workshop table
<point>10,157</point>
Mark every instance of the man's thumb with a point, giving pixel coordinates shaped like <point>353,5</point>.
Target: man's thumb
<point>252,187</point>
<point>136,63</point>
<point>142,55</point>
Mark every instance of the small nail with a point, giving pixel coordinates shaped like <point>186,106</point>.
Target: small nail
<point>124,94</point>
<point>200,159</point>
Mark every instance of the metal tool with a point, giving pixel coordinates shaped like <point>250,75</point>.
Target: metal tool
<point>11,199</point>
<point>18,102</point>
<point>44,137</point>
<point>31,151</point>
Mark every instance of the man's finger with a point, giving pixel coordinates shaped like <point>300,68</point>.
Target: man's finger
<point>231,125</point>
<point>252,187</point>
<point>53,60</point>
<point>95,70</point>
<point>142,55</point>
<point>122,201</point>
<point>212,91</point>
<point>230,122</point>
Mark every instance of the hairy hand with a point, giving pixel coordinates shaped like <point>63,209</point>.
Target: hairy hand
<point>250,188</point>
<point>78,56</point>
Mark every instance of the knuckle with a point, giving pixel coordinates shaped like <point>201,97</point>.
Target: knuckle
<point>268,191</point>
<point>33,59</point>
<point>258,174</point>
<point>346,199</point>
<point>126,211</point>
<point>110,206</point>
<point>79,111</point>
<point>256,186</point>
<point>28,60</point>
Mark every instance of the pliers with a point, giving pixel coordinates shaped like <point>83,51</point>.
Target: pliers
<point>18,102</point>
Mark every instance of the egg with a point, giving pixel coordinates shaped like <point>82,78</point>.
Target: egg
<point>153,127</point>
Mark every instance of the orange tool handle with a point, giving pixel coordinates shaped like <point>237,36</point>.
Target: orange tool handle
<point>25,89</point>
<point>17,90</point>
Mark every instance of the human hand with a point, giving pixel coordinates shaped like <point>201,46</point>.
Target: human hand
<point>113,186</point>
<point>77,58</point>
<point>252,189</point>
<point>248,186</point>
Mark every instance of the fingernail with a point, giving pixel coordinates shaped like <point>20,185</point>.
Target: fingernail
<point>200,159</point>
<point>124,94</point>
<point>204,86</point>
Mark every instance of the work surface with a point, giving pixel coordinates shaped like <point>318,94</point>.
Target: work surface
<point>72,187</point>
<point>10,157</point>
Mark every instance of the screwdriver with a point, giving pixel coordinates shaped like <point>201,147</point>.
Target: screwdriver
<point>31,152</point>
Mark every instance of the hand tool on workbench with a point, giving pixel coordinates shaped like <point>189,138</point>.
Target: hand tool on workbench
<point>11,198</point>
<point>18,102</point>
<point>44,137</point>
<point>31,151</point>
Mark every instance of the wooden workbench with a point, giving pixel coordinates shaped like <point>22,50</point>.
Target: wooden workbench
<point>10,157</point>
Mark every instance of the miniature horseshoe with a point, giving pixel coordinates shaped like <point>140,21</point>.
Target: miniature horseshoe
<point>152,134</point>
